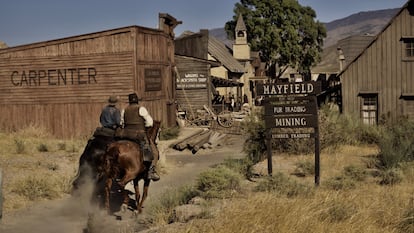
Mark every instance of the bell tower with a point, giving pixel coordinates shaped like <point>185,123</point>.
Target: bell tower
<point>241,50</point>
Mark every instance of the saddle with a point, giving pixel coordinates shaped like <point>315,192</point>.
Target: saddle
<point>102,131</point>
<point>133,135</point>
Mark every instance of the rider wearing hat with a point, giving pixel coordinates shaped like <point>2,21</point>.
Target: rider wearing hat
<point>110,117</point>
<point>137,118</point>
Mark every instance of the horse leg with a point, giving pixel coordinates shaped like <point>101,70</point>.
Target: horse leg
<point>144,194</point>
<point>137,195</point>
<point>108,186</point>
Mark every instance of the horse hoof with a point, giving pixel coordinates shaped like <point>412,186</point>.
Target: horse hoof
<point>124,207</point>
<point>136,213</point>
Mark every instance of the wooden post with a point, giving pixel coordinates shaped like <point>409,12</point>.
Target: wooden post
<point>1,194</point>
<point>269,151</point>
<point>317,150</point>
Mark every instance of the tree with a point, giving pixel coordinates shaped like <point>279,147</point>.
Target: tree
<point>285,33</point>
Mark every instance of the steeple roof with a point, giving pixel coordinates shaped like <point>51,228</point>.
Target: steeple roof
<point>240,26</point>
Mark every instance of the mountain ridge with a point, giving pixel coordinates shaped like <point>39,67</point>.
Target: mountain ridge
<point>361,23</point>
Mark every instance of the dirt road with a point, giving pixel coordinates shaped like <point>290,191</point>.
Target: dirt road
<point>69,215</point>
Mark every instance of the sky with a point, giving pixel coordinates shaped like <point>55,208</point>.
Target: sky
<point>29,21</point>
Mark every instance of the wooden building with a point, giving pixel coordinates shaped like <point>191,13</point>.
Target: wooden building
<point>380,80</point>
<point>62,85</point>
<point>200,57</point>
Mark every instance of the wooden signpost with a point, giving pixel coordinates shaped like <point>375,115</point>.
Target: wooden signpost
<point>291,112</point>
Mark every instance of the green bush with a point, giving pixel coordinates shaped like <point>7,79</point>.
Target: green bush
<point>396,145</point>
<point>255,145</point>
<point>242,166</point>
<point>219,182</point>
<point>169,133</point>
<point>281,185</point>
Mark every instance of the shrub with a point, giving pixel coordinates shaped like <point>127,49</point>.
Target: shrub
<point>304,168</point>
<point>36,188</point>
<point>169,133</point>
<point>219,182</point>
<point>20,146</point>
<point>355,173</point>
<point>162,210</point>
<point>255,145</point>
<point>396,145</point>
<point>340,183</point>
<point>61,146</point>
<point>42,148</point>
<point>281,185</point>
<point>390,177</point>
<point>242,166</point>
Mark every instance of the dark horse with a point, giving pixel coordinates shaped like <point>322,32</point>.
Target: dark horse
<point>90,163</point>
<point>124,160</point>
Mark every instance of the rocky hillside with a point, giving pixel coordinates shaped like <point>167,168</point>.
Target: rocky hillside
<point>362,23</point>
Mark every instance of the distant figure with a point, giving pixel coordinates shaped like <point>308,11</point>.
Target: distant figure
<point>245,99</point>
<point>231,104</point>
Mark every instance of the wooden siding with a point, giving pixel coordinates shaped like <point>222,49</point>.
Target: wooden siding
<point>189,98</point>
<point>62,85</point>
<point>381,69</point>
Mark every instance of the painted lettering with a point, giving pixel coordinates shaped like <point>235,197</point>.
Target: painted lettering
<point>287,89</point>
<point>54,77</point>
<point>292,121</point>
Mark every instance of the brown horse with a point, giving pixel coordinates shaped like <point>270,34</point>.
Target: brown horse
<point>124,159</point>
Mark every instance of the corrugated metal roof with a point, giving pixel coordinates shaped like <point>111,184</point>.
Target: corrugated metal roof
<point>221,53</point>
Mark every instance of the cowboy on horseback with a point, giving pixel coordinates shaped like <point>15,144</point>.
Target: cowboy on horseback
<point>110,117</point>
<point>137,120</point>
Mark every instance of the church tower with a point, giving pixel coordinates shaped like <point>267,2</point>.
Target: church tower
<point>241,50</point>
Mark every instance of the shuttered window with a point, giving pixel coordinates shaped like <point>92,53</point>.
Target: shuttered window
<point>369,109</point>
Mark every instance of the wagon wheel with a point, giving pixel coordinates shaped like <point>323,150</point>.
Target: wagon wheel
<point>225,119</point>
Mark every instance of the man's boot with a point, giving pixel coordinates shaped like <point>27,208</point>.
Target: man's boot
<point>152,174</point>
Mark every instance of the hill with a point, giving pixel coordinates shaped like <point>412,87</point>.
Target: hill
<point>361,23</point>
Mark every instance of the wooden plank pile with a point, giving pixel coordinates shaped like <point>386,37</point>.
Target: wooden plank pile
<point>203,139</point>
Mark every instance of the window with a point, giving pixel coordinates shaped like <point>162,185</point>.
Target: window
<point>369,109</point>
<point>408,47</point>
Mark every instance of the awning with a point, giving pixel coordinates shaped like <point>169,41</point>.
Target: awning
<point>221,82</point>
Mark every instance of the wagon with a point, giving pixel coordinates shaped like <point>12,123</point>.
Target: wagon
<point>206,116</point>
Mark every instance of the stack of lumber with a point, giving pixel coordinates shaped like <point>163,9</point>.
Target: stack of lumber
<point>205,139</point>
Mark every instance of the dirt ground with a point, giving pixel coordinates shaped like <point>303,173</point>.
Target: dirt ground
<point>70,215</point>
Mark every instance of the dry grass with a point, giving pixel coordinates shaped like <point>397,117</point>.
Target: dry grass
<point>368,207</point>
<point>36,167</point>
